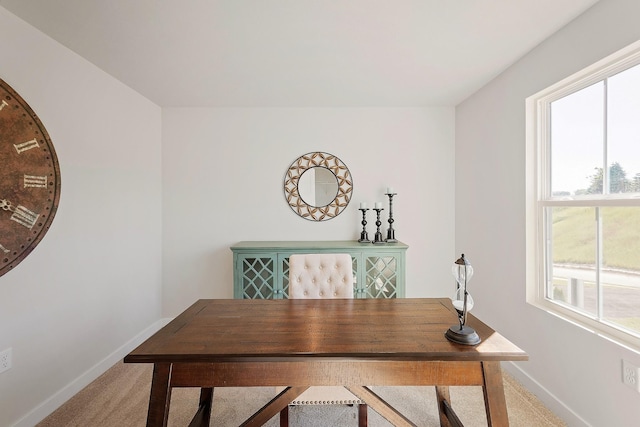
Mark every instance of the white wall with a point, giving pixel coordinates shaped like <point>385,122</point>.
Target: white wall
<point>223,172</point>
<point>577,373</point>
<point>93,284</point>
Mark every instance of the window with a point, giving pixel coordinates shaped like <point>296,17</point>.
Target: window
<point>583,197</point>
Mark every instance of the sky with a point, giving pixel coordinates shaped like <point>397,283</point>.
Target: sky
<point>578,137</point>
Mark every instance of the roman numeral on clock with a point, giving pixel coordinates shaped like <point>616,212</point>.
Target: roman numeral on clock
<point>3,249</point>
<point>24,146</point>
<point>3,104</point>
<point>35,181</point>
<point>24,216</point>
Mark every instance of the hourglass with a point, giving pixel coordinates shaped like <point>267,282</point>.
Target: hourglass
<point>463,303</point>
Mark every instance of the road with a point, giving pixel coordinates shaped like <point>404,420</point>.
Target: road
<point>621,291</point>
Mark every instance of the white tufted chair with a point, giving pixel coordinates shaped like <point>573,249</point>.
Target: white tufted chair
<point>323,276</point>
<point>320,276</point>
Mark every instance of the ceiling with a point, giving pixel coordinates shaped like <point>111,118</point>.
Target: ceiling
<point>300,53</point>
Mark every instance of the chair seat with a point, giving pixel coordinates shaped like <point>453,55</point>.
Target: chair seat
<point>325,395</point>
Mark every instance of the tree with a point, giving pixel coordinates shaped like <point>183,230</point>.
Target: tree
<point>618,182</point>
<point>617,179</point>
<point>596,182</point>
<point>635,184</point>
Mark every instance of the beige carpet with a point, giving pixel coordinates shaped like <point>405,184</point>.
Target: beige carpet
<point>120,396</point>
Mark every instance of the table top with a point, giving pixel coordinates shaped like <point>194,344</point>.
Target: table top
<point>233,330</point>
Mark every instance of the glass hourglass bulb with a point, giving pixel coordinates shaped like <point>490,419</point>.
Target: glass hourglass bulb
<point>459,271</point>
<point>458,302</point>
<point>462,271</point>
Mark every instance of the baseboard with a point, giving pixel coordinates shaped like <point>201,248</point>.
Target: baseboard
<point>549,399</point>
<point>47,407</point>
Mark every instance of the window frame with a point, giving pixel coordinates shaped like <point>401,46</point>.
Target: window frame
<point>538,191</point>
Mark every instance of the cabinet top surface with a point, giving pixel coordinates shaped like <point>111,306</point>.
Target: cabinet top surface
<point>315,244</point>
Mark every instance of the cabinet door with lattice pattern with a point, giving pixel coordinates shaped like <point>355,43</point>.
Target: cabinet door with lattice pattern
<point>258,277</point>
<point>382,276</point>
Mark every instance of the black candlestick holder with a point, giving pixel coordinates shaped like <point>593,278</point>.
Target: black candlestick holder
<point>364,236</point>
<point>391,233</point>
<point>378,236</point>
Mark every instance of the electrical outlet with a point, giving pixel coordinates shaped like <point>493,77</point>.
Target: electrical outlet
<point>631,375</point>
<point>5,360</point>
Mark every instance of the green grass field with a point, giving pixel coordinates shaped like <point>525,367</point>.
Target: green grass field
<point>574,236</point>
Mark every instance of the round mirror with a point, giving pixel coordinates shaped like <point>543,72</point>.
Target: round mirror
<point>318,186</point>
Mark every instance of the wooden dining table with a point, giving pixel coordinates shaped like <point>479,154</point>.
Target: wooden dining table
<point>355,343</point>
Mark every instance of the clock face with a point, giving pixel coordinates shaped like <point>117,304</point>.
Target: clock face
<point>29,179</point>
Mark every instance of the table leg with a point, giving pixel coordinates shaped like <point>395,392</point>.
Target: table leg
<point>494,401</point>
<point>443,397</point>
<point>448,417</point>
<point>284,417</point>
<point>379,405</point>
<point>363,414</point>
<point>274,407</point>
<point>203,416</point>
<point>160,396</point>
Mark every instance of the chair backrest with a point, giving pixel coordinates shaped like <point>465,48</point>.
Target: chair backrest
<point>320,276</point>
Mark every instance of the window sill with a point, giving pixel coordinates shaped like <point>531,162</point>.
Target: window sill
<point>623,339</point>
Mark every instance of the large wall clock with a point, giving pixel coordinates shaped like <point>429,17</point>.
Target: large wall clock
<point>29,179</point>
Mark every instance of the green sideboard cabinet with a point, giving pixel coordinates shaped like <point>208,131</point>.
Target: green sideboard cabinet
<point>261,268</point>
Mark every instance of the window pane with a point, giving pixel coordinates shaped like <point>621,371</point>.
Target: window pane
<point>620,277</point>
<point>624,131</point>
<point>573,254</point>
<point>583,188</point>
<point>577,123</point>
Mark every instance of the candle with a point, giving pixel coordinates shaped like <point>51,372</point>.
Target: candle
<point>378,205</point>
<point>390,190</point>
<point>363,205</point>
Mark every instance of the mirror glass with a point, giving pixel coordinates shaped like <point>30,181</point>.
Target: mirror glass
<point>318,186</point>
